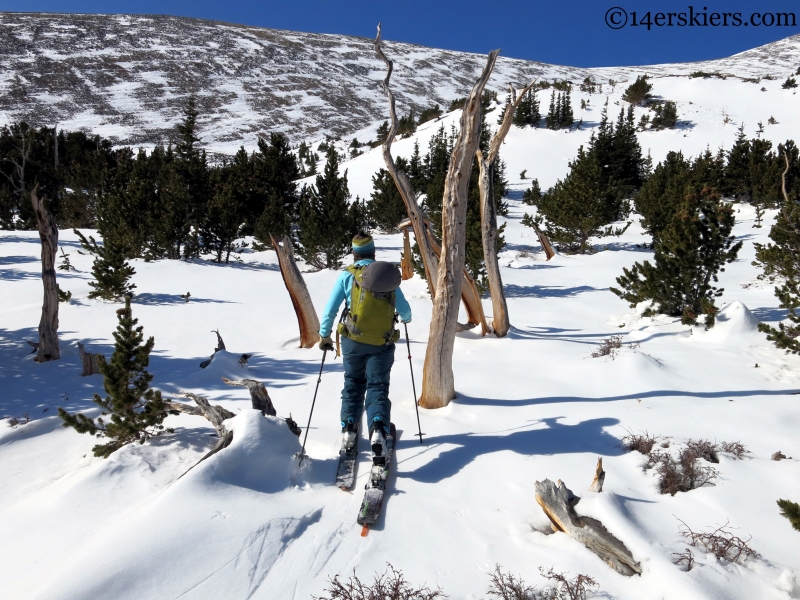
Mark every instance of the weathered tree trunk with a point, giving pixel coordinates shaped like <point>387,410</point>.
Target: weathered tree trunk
<point>469,292</point>
<point>500,322</point>
<point>48,324</point>
<point>215,414</point>
<point>548,249</point>
<point>258,395</point>
<point>558,502</point>
<point>90,362</point>
<point>406,267</point>
<point>438,386</point>
<point>599,477</point>
<point>783,178</point>
<point>301,300</point>
<point>402,181</point>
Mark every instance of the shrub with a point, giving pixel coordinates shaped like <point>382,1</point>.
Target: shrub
<point>390,585</point>
<point>720,542</point>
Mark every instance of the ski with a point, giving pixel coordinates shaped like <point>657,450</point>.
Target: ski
<point>376,485</point>
<point>348,464</point>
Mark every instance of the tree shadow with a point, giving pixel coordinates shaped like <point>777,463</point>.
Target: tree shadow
<point>770,314</point>
<point>556,438</point>
<point>546,291</point>
<point>468,401</point>
<point>17,260</point>
<point>242,266</point>
<point>168,299</point>
<point>535,267</point>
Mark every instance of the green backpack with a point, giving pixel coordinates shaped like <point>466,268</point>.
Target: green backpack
<point>370,318</point>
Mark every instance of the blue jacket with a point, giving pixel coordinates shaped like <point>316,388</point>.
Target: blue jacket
<point>342,290</point>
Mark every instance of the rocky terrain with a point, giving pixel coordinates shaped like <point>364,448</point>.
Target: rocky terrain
<point>126,77</point>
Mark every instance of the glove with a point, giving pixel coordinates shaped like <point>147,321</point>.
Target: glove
<point>326,343</point>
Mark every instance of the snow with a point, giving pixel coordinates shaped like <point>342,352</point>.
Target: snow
<point>247,523</point>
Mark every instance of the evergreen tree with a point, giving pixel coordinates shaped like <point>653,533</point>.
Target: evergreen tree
<point>638,92</point>
<point>224,215</point>
<point>581,206</point>
<point>666,115</point>
<point>532,195</point>
<point>692,250</point>
<point>110,268</point>
<point>416,170</point>
<point>552,119</point>
<point>780,261</point>
<point>737,171</point>
<point>565,116</point>
<point>658,199</point>
<point>387,207</point>
<point>381,134</point>
<point>527,112</point>
<point>273,204</point>
<point>137,412</point>
<point>325,220</point>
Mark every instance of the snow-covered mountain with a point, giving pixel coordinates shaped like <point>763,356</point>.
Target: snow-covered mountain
<point>126,77</point>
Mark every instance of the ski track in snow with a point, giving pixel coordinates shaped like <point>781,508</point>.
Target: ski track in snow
<point>246,523</point>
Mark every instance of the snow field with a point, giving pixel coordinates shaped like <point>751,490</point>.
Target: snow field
<point>247,524</point>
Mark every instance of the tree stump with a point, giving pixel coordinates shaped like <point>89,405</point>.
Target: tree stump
<point>406,267</point>
<point>599,477</point>
<point>90,363</point>
<point>258,395</point>
<point>558,504</point>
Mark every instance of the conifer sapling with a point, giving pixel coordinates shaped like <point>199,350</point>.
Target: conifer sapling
<point>136,411</point>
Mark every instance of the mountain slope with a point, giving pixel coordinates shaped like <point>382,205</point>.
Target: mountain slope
<point>126,77</point>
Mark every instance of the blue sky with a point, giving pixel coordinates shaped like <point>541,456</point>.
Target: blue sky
<point>562,32</point>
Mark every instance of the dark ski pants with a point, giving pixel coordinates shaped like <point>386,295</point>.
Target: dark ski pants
<point>366,370</point>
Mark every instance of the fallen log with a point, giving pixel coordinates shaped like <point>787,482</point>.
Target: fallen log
<point>548,249</point>
<point>258,395</point>
<point>215,414</point>
<point>298,292</point>
<point>599,477</point>
<point>185,408</point>
<point>558,503</point>
<point>90,362</point>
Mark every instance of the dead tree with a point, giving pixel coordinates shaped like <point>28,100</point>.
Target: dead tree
<point>217,415</point>
<point>403,183</point>
<point>90,362</point>
<point>438,386</point>
<point>258,395</point>
<point>470,295</point>
<point>48,324</point>
<point>500,323</point>
<point>406,267</point>
<point>558,503</point>
<point>301,300</point>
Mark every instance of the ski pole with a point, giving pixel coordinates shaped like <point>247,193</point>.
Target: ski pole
<point>413,386</point>
<point>313,402</point>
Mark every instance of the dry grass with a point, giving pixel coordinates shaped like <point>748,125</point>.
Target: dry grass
<point>684,558</point>
<point>639,442</point>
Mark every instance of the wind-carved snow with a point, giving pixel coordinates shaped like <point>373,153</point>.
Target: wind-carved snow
<point>132,74</point>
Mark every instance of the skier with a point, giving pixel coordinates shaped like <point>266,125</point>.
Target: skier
<point>372,295</point>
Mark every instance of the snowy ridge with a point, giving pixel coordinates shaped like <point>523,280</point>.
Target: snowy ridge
<point>126,77</point>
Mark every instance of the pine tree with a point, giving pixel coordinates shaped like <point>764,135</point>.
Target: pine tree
<point>658,199</point>
<point>581,206</point>
<point>387,208</point>
<point>325,220</point>
<point>566,117</point>
<point>638,92</point>
<point>790,510</point>
<point>780,261</point>
<point>110,268</point>
<point>551,120</point>
<point>272,207</point>
<point>666,115</point>
<point>137,411</point>
<point>693,248</point>
<point>532,195</point>
<point>737,171</point>
<point>224,215</point>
